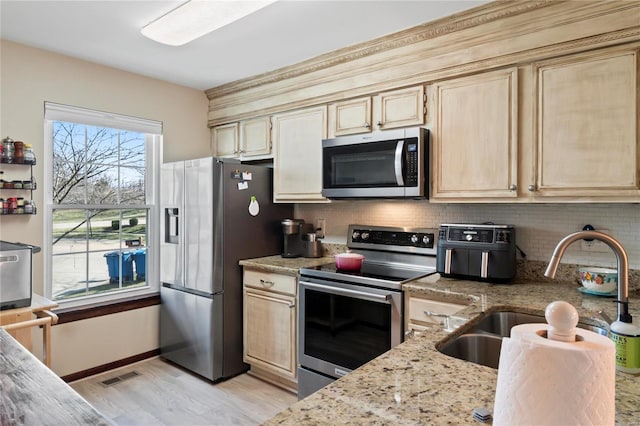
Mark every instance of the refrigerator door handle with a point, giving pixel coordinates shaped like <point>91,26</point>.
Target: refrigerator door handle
<point>171,225</point>
<point>191,290</point>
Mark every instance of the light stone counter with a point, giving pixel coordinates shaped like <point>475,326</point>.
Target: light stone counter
<point>415,384</point>
<point>283,265</point>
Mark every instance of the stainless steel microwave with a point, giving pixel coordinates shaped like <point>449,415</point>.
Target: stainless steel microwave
<point>385,164</point>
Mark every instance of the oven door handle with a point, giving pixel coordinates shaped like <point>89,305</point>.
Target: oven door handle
<point>380,298</point>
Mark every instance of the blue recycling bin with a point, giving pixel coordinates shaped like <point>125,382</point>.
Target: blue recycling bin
<point>140,259</point>
<point>113,265</point>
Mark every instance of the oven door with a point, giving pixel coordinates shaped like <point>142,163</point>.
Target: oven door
<point>343,326</point>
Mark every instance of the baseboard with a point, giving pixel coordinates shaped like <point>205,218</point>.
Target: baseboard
<point>290,385</point>
<point>110,366</point>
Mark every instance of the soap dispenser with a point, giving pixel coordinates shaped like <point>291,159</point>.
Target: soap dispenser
<point>625,333</point>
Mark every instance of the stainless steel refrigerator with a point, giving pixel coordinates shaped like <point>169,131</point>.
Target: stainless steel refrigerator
<point>209,224</point>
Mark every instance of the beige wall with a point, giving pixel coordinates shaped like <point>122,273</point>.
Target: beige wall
<point>28,78</point>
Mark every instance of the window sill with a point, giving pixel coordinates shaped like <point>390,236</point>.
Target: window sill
<point>80,313</point>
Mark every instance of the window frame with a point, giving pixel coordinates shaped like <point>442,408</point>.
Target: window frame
<point>153,141</point>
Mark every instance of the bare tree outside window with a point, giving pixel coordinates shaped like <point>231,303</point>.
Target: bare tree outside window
<point>99,208</point>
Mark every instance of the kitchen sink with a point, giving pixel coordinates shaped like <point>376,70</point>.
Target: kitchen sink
<point>483,349</point>
<point>482,341</point>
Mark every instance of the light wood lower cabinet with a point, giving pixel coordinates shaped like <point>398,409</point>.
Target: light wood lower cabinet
<point>421,312</point>
<point>270,331</point>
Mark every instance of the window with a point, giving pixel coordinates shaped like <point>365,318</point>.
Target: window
<point>101,204</point>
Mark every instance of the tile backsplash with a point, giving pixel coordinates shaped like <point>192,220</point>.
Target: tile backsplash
<point>539,227</point>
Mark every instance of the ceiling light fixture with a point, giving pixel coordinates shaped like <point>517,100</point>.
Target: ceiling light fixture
<point>196,18</point>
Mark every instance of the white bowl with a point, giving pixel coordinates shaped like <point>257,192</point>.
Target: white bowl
<point>599,280</point>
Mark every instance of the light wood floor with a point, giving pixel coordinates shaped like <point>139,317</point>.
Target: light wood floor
<point>163,394</point>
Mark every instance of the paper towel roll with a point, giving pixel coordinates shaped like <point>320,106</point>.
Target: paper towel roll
<point>548,382</point>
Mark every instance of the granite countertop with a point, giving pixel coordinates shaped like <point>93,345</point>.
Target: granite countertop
<point>284,265</point>
<point>31,394</point>
<point>413,383</point>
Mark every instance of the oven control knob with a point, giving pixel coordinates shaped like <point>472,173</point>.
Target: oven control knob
<point>414,238</point>
<point>365,235</point>
<point>469,237</point>
<point>426,239</point>
<point>355,235</point>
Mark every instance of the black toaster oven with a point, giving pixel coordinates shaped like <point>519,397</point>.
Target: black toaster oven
<point>479,252</point>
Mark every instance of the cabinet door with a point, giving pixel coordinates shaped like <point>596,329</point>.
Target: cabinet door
<point>225,140</point>
<point>475,137</point>
<point>350,117</point>
<point>587,125</point>
<point>270,332</point>
<point>255,137</point>
<point>400,108</point>
<point>297,144</point>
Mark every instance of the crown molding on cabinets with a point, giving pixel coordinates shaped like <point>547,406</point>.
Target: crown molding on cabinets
<point>495,35</point>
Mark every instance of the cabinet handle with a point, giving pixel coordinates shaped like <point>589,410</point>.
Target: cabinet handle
<point>379,123</point>
<point>266,283</point>
<point>367,125</point>
<point>531,188</point>
<point>435,314</point>
<point>292,305</point>
<point>513,187</point>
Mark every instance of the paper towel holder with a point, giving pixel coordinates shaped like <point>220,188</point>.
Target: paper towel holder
<point>562,318</point>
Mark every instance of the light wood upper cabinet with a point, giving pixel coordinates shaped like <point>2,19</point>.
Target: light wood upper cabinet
<point>350,117</point>
<point>246,139</point>
<point>225,140</point>
<point>297,144</point>
<point>475,137</point>
<point>388,110</point>
<point>587,125</point>
<point>255,137</point>
<point>399,108</point>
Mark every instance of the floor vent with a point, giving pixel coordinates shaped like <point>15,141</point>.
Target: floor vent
<point>112,381</point>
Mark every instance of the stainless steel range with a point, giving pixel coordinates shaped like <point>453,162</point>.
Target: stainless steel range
<point>345,318</point>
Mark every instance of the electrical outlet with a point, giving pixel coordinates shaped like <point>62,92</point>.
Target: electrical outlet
<point>595,246</point>
<point>320,227</point>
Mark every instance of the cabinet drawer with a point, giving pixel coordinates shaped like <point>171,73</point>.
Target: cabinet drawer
<point>430,311</point>
<point>270,281</point>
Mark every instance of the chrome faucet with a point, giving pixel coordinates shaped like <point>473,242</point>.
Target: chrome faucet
<point>623,265</point>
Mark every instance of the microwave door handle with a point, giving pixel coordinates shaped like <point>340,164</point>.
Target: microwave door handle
<point>398,163</point>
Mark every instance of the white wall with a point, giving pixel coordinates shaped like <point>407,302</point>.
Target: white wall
<point>538,227</point>
<point>29,77</point>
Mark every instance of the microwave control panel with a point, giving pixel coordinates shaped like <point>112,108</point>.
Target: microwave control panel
<point>412,162</point>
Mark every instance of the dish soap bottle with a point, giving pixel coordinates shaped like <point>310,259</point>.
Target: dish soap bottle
<point>625,333</point>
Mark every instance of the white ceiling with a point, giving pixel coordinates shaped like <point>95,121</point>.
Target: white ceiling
<point>284,33</point>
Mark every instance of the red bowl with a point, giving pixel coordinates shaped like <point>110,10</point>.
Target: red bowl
<point>349,261</point>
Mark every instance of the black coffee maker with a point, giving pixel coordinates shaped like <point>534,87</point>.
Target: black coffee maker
<point>295,233</point>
